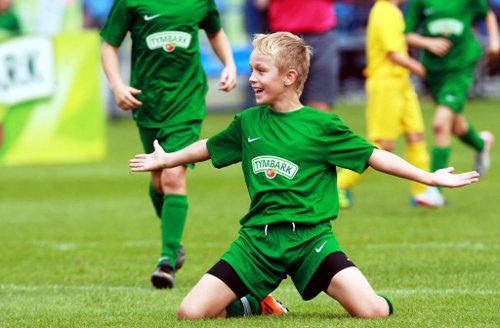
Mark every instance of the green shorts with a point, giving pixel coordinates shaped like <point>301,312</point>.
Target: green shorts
<point>263,256</point>
<point>451,89</point>
<point>171,138</point>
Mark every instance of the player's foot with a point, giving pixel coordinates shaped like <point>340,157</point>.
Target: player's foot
<point>431,197</point>
<point>345,198</point>
<point>269,305</point>
<point>181,255</point>
<point>163,277</point>
<point>483,156</point>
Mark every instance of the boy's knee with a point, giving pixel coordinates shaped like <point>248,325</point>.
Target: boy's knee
<point>189,313</point>
<point>378,308</point>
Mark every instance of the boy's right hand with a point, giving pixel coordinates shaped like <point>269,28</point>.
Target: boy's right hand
<point>124,97</point>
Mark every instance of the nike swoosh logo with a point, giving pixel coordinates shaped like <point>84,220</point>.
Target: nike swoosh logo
<point>321,247</point>
<point>250,139</point>
<point>148,18</point>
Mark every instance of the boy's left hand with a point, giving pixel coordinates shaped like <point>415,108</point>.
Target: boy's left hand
<point>445,178</point>
<point>227,79</point>
<point>148,162</point>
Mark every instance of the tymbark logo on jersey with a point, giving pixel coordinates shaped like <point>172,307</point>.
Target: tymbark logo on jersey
<point>272,166</point>
<point>168,40</point>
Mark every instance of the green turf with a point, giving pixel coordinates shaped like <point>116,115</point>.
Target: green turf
<point>79,242</point>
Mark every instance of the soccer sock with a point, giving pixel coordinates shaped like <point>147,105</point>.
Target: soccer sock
<point>416,154</point>
<point>472,139</point>
<point>440,157</point>
<point>173,219</point>
<point>245,306</point>
<point>389,303</point>
<point>157,199</point>
<point>347,179</point>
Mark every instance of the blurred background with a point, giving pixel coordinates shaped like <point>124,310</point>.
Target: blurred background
<point>51,78</point>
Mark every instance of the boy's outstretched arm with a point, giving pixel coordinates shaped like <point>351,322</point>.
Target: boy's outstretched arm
<point>390,163</point>
<point>159,159</point>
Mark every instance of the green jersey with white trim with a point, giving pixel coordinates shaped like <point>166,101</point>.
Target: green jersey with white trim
<point>452,20</point>
<point>289,162</point>
<point>166,63</point>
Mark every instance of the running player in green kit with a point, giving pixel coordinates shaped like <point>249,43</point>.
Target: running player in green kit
<point>450,54</point>
<point>167,96</point>
<point>289,154</point>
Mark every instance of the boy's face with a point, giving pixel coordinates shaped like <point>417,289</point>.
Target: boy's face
<point>266,80</point>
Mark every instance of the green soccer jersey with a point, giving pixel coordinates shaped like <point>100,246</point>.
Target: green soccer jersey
<point>166,63</point>
<point>452,20</point>
<point>289,162</point>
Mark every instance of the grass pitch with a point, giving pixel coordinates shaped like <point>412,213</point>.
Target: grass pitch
<point>78,242</point>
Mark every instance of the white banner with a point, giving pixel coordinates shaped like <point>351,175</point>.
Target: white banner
<point>26,69</point>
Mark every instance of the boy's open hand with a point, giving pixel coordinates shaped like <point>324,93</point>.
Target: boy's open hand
<point>148,162</point>
<point>445,178</point>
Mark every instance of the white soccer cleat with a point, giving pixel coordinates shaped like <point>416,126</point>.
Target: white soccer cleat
<point>431,197</point>
<point>483,160</point>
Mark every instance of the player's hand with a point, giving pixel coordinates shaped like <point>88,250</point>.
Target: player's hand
<point>149,162</point>
<point>438,46</point>
<point>493,55</point>
<point>125,97</point>
<point>227,79</point>
<point>445,178</point>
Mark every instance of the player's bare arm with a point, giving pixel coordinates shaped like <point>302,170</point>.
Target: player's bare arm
<point>493,51</point>
<point>409,63</point>
<point>438,46</point>
<point>392,164</point>
<point>159,159</point>
<point>222,48</point>
<point>124,94</point>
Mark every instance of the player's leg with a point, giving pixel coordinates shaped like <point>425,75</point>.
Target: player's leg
<point>353,291</point>
<point>321,86</point>
<point>221,293</point>
<point>416,149</point>
<point>175,203</point>
<point>337,276</point>
<point>173,220</point>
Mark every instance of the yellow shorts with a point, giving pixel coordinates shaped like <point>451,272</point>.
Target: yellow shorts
<point>392,109</point>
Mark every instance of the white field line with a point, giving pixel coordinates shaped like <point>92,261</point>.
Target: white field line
<point>283,289</point>
<point>69,246</point>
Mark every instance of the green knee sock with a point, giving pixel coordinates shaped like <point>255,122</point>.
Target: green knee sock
<point>245,306</point>
<point>472,139</point>
<point>173,219</point>
<point>157,199</point>
<point>440,158</point>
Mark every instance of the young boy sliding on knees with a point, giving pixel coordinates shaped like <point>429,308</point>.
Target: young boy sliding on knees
<point>289,154</point>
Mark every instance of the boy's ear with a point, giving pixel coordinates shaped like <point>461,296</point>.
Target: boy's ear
<point>291,77</point>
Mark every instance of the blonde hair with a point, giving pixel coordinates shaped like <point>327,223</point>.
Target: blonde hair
<point>288,51</point>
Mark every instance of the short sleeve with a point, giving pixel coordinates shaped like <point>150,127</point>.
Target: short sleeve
<point>346,149</point>
<point>211,23</point>
<point>225,147</point>
<point>117,24</point>
<point>390,26</point>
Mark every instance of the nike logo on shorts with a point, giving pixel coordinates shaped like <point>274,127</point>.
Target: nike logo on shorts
<point>148,18</point>
<point>318,249</point>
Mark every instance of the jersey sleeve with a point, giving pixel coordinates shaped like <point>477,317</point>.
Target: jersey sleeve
<point>482,9</point>
<point>225,147</point>
<point>118,24</point>
<point>413,16</point>
<point>386,22</point>
<point>211,23</point>
<point>346,149</point>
